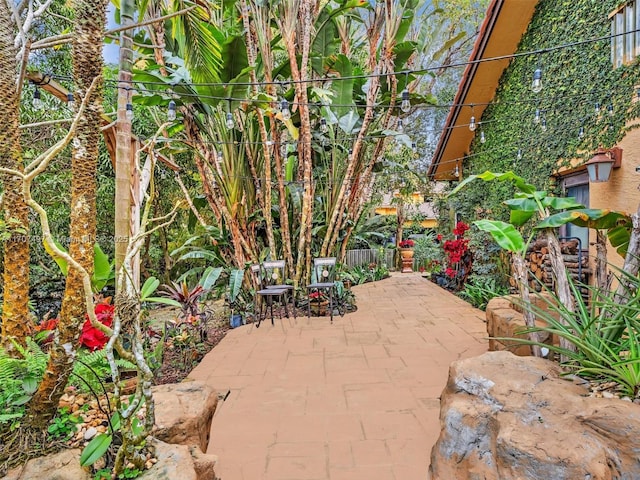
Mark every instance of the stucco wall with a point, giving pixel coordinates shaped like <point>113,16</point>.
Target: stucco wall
<point>621,191</point>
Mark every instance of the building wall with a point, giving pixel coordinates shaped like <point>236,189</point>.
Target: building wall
<point>621,192</point>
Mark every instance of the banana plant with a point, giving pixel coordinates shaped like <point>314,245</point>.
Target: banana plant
<point>527,203</point>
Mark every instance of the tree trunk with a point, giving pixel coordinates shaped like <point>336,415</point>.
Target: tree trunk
<point>123,141</point>
<point>15,309</point>
<point>87,65</point>
<point>521,277</point>
<point>602,275</point>
<point>563,290</point>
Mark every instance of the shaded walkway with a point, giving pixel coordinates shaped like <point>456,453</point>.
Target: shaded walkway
<point>354,400</point>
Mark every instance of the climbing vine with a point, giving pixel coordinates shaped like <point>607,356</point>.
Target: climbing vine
<point>575,80</point>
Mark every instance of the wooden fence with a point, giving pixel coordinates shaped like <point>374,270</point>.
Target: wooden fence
<point>367,256</point>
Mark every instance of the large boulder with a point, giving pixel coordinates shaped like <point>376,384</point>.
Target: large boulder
<point>505,320</point>
<point>184,412</point>
<point>64,465</point>
<point>180,462</point>
<point>505,417</point>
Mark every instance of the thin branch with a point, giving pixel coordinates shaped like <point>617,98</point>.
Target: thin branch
<point>189,201</point>
<point>149,22</point>
<point>45,123</point>
<point>42,161</point>
<point>52,41</point>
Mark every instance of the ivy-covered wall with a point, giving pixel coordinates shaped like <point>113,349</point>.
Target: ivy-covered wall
<point>574,80</point>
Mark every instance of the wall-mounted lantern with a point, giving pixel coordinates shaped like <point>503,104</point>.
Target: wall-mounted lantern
<point>599,167</point>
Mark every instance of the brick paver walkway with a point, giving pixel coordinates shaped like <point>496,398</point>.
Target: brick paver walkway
<point>354,400</point>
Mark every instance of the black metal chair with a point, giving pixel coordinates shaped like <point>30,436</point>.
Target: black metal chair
<point>274,275</point>
<point>267,296</point>
<point>322,280</point>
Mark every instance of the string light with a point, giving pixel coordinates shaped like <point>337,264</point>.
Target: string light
<point>610,109</point>
<point>70,102</point>
<point>324,128</point>
<point>472,121</point>
<point>37,102</point>
<point>581,132</point>
<point>414,147</point>
<point>456,171</point>
<point>543,124</point>
<point>483,139</point>
<point>171,112</point>
<point>519,154</point>
<point>405,106</point>
<point>400,126</point>
<point>229,122</point>
<point>536,84</point>
<point>129,111</point>
<point>284,109</point>
<point>596,108</point>
<point>536,118</point>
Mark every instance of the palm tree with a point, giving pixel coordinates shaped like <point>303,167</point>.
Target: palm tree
<point>90,17</point>
<point>15,310</point>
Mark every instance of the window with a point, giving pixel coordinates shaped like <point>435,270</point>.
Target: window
<point>625,40</point>
<point>577,186</point>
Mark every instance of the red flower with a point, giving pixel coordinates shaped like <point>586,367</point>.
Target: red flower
<point>91,337</point>
<point>450,272</point>
<point>407,243</point>
<point>50,324</point>
<point>439,237</point>
<point>461,227</point>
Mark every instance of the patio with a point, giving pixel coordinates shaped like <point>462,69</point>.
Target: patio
<point>358,399</point>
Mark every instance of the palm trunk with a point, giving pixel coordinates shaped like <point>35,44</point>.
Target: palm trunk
<point>15,309</point>
<point>87,65</point>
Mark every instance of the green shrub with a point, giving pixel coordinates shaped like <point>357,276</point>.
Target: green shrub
<point>479,290</point>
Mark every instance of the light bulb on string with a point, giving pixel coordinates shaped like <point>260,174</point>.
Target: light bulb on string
<point>229,122</point>
<point>350,153</point>
<point>456,172</point>
<point>472,123</point>
<point>70,102</point>
<point>543,124</point>
<point>324,128</point>
<point>536,84</point>
<point>610,109</point>
<point>405,106</point>
<point>483,139</point>
<point>519,154</point>
<point>171,112</point>
<point>536,118</point>
<point>36,102</point>
<point>581,132</point>
<point>284,109</point>
<point>400,126</point>
<point>596,108</point>
<point>414,147</point>
<point>129,112</point>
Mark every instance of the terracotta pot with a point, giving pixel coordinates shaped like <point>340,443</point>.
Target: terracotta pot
<point>319,308</point>
<point>406,252</point>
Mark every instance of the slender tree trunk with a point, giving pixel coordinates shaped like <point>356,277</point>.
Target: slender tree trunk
<point>123,141</point>
<point>15,309</point>
<point>602,275</point>
<point>522,280</point>
<point>562,283</point>
<point>87,65</point>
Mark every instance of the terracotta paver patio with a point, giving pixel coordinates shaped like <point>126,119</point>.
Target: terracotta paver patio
<point>354,400</point>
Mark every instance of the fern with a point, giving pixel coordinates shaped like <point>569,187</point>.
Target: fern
<point>94,369</point>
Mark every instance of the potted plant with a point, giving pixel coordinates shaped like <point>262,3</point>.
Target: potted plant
<point>235,298</point>
<point>406,253</point>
